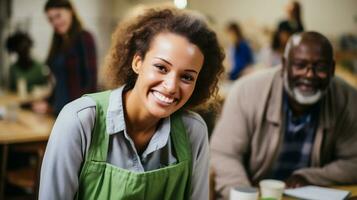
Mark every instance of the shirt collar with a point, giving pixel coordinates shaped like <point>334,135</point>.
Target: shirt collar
<point>115,122</point>
<point>115,114</point>
<point>160,138</point>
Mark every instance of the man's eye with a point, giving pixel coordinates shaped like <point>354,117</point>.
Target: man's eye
<point>321,68</point>
<point>299,65</point>
<point>161,68</point>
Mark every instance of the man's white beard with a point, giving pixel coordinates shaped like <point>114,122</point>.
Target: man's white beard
<point>298,96</point>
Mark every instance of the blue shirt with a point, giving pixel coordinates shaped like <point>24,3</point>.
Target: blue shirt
<point>60,91</point>
<point>298,140</point>
<point>242,57</point>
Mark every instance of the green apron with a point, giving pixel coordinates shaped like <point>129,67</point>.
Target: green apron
<point>101,180</point>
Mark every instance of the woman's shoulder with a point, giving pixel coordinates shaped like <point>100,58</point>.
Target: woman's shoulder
<point>86,35</point>
<point>79,115</point>
<point>192,118</point>
<point>197,133</point>
<point>195,126</point>
<point>38,65</point>
<point>245,44</point>
<point>83,107</point>
<point>35,61</point>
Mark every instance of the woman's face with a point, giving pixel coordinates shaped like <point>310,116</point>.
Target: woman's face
<point>167,75</point>
<point>60,19</point>
<point>231,36</point>
<point>284,37</point>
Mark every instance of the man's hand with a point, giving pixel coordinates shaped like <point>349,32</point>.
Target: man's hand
<point>295,181</point>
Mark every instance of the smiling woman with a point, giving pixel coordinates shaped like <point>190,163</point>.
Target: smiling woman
<point>139,139</point>
<point>167,76</point>
<point>134,37</point>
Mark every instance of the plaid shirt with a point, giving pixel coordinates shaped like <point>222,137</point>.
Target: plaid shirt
<point>298,140</point>
<point>75,71</point>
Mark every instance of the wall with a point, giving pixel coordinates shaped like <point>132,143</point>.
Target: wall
<point>4,18</point>
<point>330,17</point>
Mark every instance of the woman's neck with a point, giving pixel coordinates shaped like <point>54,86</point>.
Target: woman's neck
<point>138,119</point>
<point>140,125</point>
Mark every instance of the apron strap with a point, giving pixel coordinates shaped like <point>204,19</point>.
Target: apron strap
<point>182,145</point>
<point>98,148</point>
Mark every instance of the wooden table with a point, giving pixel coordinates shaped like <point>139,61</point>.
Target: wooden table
<point>8,98</point>
<point>351,188</point>
<point>26,128</point>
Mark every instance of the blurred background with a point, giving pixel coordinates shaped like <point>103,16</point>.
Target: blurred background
<point>258,28</point>
<point>257,18</point>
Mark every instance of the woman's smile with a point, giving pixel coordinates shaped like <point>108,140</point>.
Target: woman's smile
<point>162,98</point>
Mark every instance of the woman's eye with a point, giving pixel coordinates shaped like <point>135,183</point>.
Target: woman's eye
<point>161,68</point>
<point>187,78</point>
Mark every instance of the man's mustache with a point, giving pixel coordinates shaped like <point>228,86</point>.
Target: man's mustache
<point>309,82</point>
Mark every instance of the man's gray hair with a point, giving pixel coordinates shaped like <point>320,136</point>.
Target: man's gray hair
<point>293,41</point>
<point>311,36</point>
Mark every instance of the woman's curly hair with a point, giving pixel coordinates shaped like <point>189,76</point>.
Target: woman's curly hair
<point>135,36</point>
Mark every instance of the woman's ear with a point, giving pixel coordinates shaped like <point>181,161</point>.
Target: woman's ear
<point>136,63</point>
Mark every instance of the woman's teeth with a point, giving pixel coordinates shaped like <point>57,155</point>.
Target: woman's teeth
<point>163,98</point>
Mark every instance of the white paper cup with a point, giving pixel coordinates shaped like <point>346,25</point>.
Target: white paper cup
<point>243,193</point>
<point>270,188</point>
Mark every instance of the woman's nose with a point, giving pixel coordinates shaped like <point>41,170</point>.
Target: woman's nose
<point>171,84</point>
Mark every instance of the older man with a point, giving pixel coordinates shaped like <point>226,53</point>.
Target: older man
<point>296,123</point>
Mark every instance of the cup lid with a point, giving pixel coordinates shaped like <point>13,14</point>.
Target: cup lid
<point>272,183</point>
<point>246,189</point>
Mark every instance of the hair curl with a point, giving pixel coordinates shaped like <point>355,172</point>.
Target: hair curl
<point>135,36</point>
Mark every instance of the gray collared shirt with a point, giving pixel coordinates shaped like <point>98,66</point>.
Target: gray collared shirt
<point>71,136</point>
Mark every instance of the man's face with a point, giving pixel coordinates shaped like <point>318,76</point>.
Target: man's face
<point>308,72</point>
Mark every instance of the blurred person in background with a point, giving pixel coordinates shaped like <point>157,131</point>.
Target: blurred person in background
<point>25,67</point>
<point>293,23</point>
<point>240,52</point>
<point>271,56</point>
<point>280,39</point>
<point>33,74</point>
<point>140,140</point>
<point>72,57</point>
<point>295,123</point>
